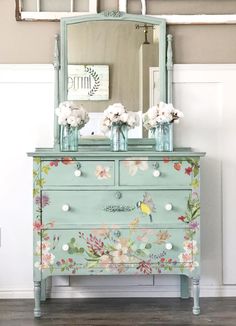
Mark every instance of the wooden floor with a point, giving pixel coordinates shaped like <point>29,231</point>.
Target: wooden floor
<point>119,312</point>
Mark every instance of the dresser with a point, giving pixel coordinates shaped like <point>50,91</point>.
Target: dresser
<point>98,212</point>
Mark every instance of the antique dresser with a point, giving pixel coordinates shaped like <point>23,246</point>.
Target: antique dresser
<point>98,212</point>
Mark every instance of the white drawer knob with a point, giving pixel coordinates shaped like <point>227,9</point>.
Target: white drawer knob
<point>77,173</point>
<point>65,247</point>
<point>156,173</point>
<point>168,207</point>
<point>65,208</point>
<point>168,246</point>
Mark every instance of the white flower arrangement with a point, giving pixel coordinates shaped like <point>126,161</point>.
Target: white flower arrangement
<point>118,115</point>
<point>71,114</point>
<point>162,113</point>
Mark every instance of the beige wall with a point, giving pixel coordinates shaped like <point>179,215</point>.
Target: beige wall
<point>32,42</point>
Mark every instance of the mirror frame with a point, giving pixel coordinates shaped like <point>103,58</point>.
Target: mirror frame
<point>61,74</point>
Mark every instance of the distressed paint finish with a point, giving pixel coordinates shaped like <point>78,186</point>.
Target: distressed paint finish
<point>120,215</point>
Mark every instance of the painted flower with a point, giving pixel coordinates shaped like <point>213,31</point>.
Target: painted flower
<point>194,225</point>
<point>177,166</point>
<point>190,246</point>
<point>166,159</point>
<point>192,266</point>
<point>104,231</point>
<point>135,165</point>
<point>37,226</point>
<point>185,257</point>
<point>162,236</point>
<point>105,261</point>
<point>95,245</point>
<point>102,172</point>
<point>54,163</point>
<point>182,218</point>
<point>121,250</point>
<point>145,267</point>
<point>188,170</point>
<point>67,160</point>
<point>47,260</point>
<point>44,199</point>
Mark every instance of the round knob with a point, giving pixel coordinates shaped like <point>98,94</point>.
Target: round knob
<point>118,195</point>
<point>65,208</point>
<point>168,246</point>
<point>77,173</point>
<point>168,207</point>
<point>156,173</point>
<point>65,247</point>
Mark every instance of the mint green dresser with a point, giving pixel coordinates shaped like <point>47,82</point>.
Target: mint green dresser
<point>102,213</point>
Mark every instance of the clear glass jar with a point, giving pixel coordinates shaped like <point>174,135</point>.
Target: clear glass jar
<point>164,137</point>
<point>119,137</point>
<point>69,138</point>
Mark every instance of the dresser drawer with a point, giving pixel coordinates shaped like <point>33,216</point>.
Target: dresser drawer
<point>116,250</point>
<point>143,172</point>
<point>68,172</point>
<point>114,207</point>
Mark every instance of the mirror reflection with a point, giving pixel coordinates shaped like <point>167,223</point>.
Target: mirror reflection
<point>113,62</point>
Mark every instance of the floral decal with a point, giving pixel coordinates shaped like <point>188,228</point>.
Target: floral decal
<point>134,165</point>
<point>102,172</point>
<point>162,236</point>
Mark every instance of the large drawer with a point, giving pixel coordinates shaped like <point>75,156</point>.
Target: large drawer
<point>143,172</point>
<point>115,250</point>
<point>69,172</point>
<point>114,207</point>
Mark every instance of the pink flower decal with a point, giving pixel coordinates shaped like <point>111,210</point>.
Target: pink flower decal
<point>67,160</point>
<point>166,159</point>
<point>102,172</point>
<point>54,163</point>
<point>135,165</point>
<point>177,166</point>
<point>188,170</point>
<point>38,226</point>
<point>95,245</point>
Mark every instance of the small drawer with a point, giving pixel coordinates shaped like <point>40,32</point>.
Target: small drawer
<point>140,171</point>
<point>116,250</point>
<point>124,207</point>
<point>69,172</point>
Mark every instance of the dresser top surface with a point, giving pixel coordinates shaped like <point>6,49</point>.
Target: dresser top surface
<point>104,151</point>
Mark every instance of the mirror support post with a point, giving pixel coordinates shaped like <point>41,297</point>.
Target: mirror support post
<point>56,64</point>
<point>169,66</point>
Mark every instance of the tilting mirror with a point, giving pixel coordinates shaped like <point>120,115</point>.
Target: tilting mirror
<point>108,60</point>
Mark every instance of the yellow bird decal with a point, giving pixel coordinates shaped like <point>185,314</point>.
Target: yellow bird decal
<point>146,206</point>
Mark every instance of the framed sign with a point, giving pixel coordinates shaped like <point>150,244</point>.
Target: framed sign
<point>88,82</point>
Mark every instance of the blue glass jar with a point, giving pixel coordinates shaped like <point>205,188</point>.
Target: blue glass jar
<point>164,137</point>
<point>119,137</point>
<point>69,138</point>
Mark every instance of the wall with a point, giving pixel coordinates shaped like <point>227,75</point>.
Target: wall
<point>32,42</point>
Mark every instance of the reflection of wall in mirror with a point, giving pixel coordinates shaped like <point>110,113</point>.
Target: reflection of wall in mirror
<point>115,44</point>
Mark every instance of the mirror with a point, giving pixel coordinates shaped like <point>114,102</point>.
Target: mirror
<point>108,60</point>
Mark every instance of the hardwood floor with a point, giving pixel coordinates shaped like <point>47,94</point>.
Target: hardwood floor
<point>119,312</point>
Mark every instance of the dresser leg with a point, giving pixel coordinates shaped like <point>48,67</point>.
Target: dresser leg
<point>37,294</point>
<point>184,287</point>
<point>43,290</point>
<point>196,291</point>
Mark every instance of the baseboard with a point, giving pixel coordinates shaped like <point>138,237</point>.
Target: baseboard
<point>119,292</point>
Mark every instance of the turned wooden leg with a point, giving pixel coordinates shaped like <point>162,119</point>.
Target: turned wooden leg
<point>37,294</point>
<point>184,287</point>
<point>196,291</point>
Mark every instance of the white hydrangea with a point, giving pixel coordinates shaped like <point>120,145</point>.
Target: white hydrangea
<point>117,114</point>
<point>162,113</point>
<point>71,114</point>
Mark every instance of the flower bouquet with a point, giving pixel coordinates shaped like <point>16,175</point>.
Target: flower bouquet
<point>71,117</point>
<point>159,119</point>
<point>118,120</point>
